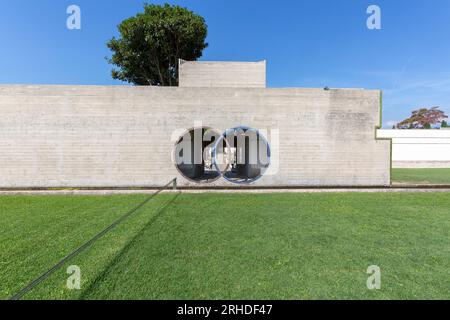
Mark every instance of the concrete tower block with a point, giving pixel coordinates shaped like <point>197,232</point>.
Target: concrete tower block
<point>222,74</point>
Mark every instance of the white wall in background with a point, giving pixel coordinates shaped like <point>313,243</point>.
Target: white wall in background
<point>419,148</point>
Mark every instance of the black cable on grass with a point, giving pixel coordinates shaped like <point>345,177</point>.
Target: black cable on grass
<point>47,273</point>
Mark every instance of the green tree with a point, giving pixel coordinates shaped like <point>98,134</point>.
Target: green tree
<point>150,44</point>
<point>444,124</point>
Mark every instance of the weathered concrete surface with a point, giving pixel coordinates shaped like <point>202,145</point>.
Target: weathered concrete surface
<point>219,74</point>
<point>120,136</point>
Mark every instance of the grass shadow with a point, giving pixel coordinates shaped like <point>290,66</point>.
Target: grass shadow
<point>103,274</point>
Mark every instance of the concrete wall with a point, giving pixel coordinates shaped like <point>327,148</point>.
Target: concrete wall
<point>419,148</point>
<point>222,74</point>
<point>120,136</point>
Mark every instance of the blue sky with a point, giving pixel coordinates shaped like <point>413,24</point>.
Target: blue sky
<point>307,43</point>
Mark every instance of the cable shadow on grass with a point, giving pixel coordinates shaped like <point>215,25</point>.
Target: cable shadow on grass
<point>103,274</point>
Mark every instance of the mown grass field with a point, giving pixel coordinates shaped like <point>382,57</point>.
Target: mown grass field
<point>421,176</point>
<point>230,246</point>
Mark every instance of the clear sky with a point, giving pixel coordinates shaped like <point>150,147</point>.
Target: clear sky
<point>307,43</point>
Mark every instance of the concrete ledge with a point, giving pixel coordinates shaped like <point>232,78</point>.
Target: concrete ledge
<point>420,164</point>
<point>395,189</point>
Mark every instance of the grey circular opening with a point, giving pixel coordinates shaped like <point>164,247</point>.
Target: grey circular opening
<point>193,155</point>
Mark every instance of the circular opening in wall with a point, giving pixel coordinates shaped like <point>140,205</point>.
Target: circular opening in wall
<point>241,155</point>
<point>193,155</point>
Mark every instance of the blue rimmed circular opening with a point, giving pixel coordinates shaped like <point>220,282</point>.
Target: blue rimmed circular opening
<point>245,155</point>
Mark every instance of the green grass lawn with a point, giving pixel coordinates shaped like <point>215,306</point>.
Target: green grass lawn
<point>421,176</point>
<point>231,246</point>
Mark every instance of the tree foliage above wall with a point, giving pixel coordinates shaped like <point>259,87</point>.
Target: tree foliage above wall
<point>423,119</point>
<point>150,44</point>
